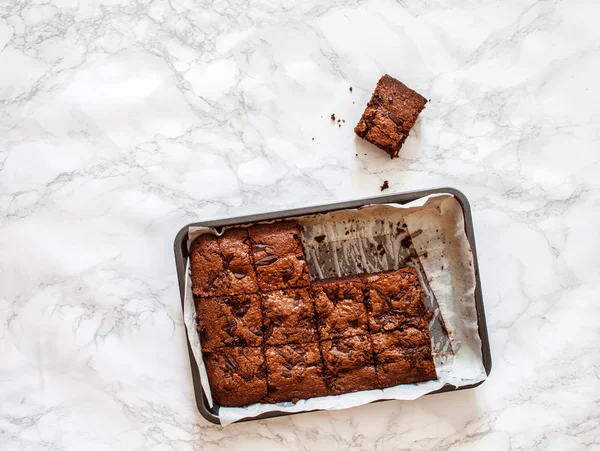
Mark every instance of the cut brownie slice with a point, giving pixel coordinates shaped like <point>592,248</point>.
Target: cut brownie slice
<point>278,256</point>
<point>349,364</point>
<point>340,308</point>
<point>295,372</point>
<point>222,265</point>
<point>288,317</point>
<point>229,321</point>
<point>237,375</point>
<point>403,356</point>
<point>394,299</point>
<point>390,114</point>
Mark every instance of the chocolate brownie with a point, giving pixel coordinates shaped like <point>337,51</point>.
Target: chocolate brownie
<point>340,308</point>
<point>237,375</point>
<point>288,317</point>
<point>278,256</point>
<point>349,364</point>
<point>394,299</point>
<point>229,321</point>
<point>294,372</point>
<point>222,265</point>
<point>390,114</point>
<point>404,356</point>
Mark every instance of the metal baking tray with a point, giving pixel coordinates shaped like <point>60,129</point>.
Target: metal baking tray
<point>181,256</point>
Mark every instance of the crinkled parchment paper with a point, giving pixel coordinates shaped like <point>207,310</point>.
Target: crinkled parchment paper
<point>427,234</point>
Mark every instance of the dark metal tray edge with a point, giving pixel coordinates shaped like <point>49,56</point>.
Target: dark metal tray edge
<point>180,248</point>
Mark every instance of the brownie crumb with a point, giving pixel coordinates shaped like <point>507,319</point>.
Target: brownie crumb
<point>405,242</point>
<point>313,139</point>
<point>339,125</point>
<point>385,185</point>
<point>320,238</point>
<point>350,88</point>
<point>339,121</point>
<point>333,116</point>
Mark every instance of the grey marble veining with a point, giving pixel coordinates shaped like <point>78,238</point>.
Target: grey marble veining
<point>121,121</point>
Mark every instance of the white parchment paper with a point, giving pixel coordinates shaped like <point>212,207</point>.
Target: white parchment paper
<point>372,239</point>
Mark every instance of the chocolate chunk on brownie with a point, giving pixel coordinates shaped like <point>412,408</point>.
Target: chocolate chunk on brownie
<point>222,265</point>
<point>340,308</point>
<point>237,375</point>
<point>390,114</point>
<point>288,317</point>
<point>295,372</point>
<point>229,321</point>
<point>394,299</point>
<point>349,365</point>
<point>403,356</point>
<point>278,256</point>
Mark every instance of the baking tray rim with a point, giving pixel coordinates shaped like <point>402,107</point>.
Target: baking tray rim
<point>180,249</point>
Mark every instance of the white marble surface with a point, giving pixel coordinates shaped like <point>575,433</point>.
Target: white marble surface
<point>121,121</point>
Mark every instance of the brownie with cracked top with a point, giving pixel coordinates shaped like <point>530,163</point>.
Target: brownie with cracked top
<point>340,308</point>
<point>295,372</point>
<point>349,365</point>
<point>222,265</point>
<point>394,299</point>
<point>390,115</point>
<point>237,375</point>
<point>404,356</point>
<point>229,321</point>
<point>279,256</point>
<point>288,317</point>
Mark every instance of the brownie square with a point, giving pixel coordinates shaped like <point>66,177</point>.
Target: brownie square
<point>237,375</point>
<point>404,356</point>
<point>222,265</point>
<point>390,114</point>
<point>295,372</point>
<point>349,365</point>
<point>288,317</point>
<point>340,309</point>
<point>394,299</point>
<point>229,321</point>
<point>279,256</point>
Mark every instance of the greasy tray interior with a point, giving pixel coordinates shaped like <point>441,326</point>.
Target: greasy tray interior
<point>406,254</point>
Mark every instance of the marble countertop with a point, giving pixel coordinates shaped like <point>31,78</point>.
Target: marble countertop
<point>121,121</point>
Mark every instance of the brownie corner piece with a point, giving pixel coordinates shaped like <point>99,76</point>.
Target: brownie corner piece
<point>229,321</point>
<point>288,317</point>
<point>221,265</point>
<point>349,365</point>
<point>279,256</point>
<point>390,115</point>
<point>403,356</point>
<point>295,372</point>
<point>237,375</point>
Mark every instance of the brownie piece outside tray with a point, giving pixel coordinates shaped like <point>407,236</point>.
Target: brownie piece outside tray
<point>390,115</point>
